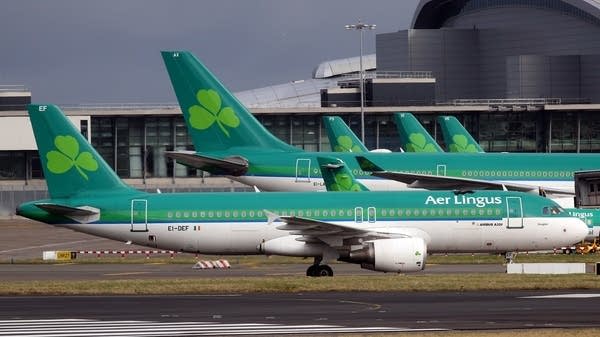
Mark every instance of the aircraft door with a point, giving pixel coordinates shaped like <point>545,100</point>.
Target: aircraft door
<point>514,210</point>
<point>358,214</point>
<point>372,214</point>
<point>303,170</point>
<point>139,215</point>
<point>441,170</point>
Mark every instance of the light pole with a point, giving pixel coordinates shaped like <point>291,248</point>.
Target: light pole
<point>360,27</point>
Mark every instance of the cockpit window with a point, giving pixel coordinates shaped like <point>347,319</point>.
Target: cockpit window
<point>554,210</point>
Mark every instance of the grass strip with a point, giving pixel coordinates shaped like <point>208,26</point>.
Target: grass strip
<point>545,332</point>
<point>295,284</point>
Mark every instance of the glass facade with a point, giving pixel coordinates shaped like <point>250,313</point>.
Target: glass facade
<point>510,132</point>
<point>135,146</point>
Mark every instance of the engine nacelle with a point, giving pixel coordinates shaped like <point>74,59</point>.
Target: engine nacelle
<point>391,255</point>
<point>289,246</point>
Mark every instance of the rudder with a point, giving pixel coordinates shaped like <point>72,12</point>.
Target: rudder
<point>71,165</point>
<point>413,136</point>
<point>456,137</point>
<point>215,118</point>
<point>341,138</point>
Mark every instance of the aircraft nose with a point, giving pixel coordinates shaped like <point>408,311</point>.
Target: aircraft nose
<point>578,229</point>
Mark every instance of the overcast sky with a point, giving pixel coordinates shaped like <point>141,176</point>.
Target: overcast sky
<point>80,51</point>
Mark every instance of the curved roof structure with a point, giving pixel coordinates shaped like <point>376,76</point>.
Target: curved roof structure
<point>344,66</point>
<point>305,93</point>
<point>432,14</point>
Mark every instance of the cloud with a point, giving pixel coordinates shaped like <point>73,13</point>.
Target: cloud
<point>75,51</point>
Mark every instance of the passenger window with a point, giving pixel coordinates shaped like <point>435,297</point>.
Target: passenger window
<point>358,214</point>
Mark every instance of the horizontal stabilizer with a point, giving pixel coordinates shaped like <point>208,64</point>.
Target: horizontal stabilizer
<point>230,166</point>
<point>82,214</point>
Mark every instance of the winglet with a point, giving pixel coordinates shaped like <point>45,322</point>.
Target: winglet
<point>367,165</point>
<point>337,176</point>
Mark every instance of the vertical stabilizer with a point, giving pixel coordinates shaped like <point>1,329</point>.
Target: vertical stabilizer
<point>71,165</point>
<point>456,137</point>
<point>341,137</point>
<point>413,136</point>
<point>337,176</point>
<point>216,120</point>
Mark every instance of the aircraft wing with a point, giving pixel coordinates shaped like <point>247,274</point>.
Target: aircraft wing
<point>315,228</point>
<point>230,166</point>
<point>82,214</point>
<point>433,182</point>
<point>332,234</point>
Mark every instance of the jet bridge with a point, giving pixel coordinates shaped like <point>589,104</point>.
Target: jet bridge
<point>587,189</point>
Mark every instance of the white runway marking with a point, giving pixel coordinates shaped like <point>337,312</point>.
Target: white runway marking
<point>565,296</point>
<point>84,328</point>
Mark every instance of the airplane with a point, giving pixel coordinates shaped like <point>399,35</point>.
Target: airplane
<point>338,177</point>
<point>456,137</point>
<point>229,141</point>
<point>339,139</point>
<point>382,231</point>
<point>455,132</point>
<point>413,136</point>
<point>342,139</point>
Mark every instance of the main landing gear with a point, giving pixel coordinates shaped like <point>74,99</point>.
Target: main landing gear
<point>318,270</point>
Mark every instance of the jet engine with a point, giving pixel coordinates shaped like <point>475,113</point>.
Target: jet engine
<point>289,246</point>
<point>391,255</point>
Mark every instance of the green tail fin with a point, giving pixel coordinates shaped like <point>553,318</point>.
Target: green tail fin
<point>337,176</point>
<point>413,136</point>
<point>342,139</point>
<point>71,165</point>
<point>215,118</point>
<point>456,137</point>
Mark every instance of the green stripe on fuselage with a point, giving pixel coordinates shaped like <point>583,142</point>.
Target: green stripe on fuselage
<point>485,166</point>
<point>341,206</point>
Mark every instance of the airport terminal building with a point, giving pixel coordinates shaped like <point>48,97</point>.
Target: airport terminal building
<point>522,75</point>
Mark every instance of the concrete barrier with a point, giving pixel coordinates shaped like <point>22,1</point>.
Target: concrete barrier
<point>545,268</point>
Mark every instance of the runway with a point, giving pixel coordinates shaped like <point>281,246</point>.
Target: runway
<point>255,314</point>
<point>304,313</point>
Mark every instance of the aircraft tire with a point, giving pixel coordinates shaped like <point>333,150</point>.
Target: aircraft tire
<point>312,270</point>
<point>324,270</point>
